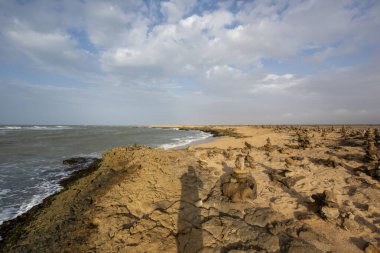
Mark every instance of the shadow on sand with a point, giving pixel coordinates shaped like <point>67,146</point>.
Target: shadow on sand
<point>189,237</point>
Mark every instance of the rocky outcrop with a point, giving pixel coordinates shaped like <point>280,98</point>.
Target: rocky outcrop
<point>149,200</point>
<point>240,185</point>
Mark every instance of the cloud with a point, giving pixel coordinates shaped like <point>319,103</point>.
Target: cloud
<point>53,51</point>
<point>276,83</point>
<point>298,58</point>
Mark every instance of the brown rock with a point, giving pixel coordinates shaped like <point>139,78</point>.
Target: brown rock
<point>300,246</point>
<point>371,249</point>
<point>330,213</point>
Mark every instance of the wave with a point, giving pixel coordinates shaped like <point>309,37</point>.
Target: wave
<point>48,188</point>
<point>45,190</point>
<point>35,127</point>
<point>184,141</point>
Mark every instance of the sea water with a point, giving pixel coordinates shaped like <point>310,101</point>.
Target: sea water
<point>31,156</point>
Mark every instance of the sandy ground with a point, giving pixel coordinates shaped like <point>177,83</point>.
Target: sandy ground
<point>148,200</point>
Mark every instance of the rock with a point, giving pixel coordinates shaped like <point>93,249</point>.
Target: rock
<point>330,213</point>
<point>75,161</point>
<point>268,146</point>
<point>249,162</point>
<point>248,145</point>
<point>286,177</point>
<point>313,237</point>
<point>304,141</point>
<point>330,199</point>
<point>229,154</point>
<point>370,248</point>
<point>285,151</point>
<point>240,185</point>
<point>327,198</point>
<point>372,154</point>
<point>289,162</point>
<point>199,203</point>
<point>289,226</point>
<point>240,188</point>
<point>351,225</point>
<point>297,158</point>
<point>332,161</point>
<point>239,163</point>
<point>300,246</point>
<point>262,216</point>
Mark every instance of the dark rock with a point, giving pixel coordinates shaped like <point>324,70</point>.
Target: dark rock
<point>75,160</point>
<point>261,217</point>
<point>300,246</point>
<point>327,198</point>
<point>333,162</point>
<point>248,145</point>
<point>283,176</point>
<point>297,158</point>
<point>249,162</point>
<point>289,226</point>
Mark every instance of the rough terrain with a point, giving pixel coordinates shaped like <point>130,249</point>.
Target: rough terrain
<point>316,190</point>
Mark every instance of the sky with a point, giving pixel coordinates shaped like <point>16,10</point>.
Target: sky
<point>189,62</point>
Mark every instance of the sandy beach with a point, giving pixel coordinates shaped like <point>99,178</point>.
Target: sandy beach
<point>251,189</point>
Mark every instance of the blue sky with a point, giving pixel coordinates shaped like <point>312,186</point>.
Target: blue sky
<point>189,62</point>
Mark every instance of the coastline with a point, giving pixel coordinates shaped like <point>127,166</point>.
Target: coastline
<point>11,227</point>
<point>133,193</point>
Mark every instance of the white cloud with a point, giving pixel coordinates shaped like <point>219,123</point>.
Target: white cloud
<point>53,50</point>
<point>275,83</point>
<point>180,49</point>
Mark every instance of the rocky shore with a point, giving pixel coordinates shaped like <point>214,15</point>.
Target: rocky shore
<point>254,189</point>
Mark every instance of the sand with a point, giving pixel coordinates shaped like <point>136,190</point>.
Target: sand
<point>141,199</point>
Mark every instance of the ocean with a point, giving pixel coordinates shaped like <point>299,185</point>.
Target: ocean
<point>31,156</point>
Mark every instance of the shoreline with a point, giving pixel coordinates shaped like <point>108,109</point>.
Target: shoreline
<point>8,226</point>
<point>74,172</point>
<point>133,192</point>
<point>11,226</point>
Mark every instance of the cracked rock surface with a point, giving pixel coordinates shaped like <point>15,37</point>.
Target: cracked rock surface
<point>141,199</point>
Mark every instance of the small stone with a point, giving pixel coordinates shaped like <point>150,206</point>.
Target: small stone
<point>332,162</point>
<point>297,158</point>
<point>330,213</point>
<point>289,162</point>
<point>285,151</point>
<point>199,203</point>
<point>351,225</point>
<point>330,199</point>
<point>239,164</point>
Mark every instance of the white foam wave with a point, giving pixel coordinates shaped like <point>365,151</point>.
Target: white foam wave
<point>49,188</point>
<point>35,127</point>
<point>11,127</point>
<point>7,214</point>
<point>184,141</point>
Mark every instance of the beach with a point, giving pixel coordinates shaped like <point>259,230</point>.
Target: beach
<point>311,189</point>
